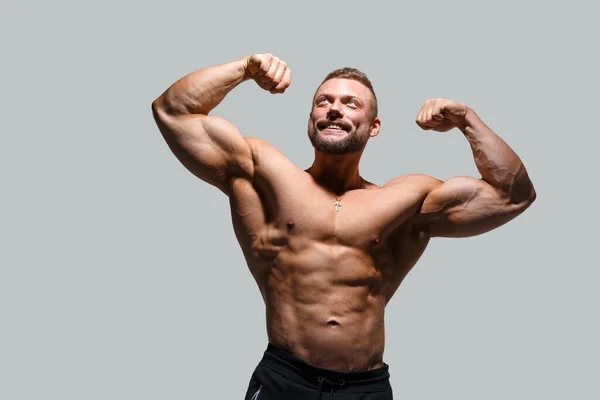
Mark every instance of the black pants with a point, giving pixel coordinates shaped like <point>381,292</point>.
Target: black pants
<point>282,376</point>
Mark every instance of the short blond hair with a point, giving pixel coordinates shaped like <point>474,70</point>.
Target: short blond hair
<point>356,75</point>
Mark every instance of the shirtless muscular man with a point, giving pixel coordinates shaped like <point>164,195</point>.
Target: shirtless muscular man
<point>326,247</point>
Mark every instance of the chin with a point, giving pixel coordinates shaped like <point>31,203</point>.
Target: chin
<point>342,144</point>
<point>336,147</point>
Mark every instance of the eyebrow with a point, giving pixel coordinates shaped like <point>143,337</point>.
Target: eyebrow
<point>344,96</point>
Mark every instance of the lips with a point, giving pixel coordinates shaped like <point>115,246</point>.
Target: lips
<point>333,126</point>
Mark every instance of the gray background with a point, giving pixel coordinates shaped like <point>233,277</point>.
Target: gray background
<point>120,275</point>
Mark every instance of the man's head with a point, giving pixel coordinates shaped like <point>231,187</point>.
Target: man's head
<point>344,113</point>
<point>356,75</point>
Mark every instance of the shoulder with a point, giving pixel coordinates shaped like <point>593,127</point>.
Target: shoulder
<point>414,181</point>
<point>267,159</point>
<point>262,149</point>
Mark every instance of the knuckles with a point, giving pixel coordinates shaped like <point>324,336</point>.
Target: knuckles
<point>270,72</point>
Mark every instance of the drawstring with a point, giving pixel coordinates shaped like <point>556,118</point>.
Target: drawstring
<point>322,381</point>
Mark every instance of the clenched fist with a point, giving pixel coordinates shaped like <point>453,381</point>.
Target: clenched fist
<point>441,115</point>
<point>269,72</point>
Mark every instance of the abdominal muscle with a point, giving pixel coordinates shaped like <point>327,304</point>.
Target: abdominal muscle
<point>325,305</point>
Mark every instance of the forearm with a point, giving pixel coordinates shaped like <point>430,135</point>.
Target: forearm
<point>203,90</point>
<point>497,163</point>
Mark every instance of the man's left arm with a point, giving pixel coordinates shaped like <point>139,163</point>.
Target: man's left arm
<point>465,206</point>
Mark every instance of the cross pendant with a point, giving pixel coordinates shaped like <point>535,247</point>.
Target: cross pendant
<point>337,206</point>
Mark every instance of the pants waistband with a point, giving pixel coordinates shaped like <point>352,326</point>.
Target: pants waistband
<point>296,370</point>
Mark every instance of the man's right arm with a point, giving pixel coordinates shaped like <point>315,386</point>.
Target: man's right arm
<point>211,147</point>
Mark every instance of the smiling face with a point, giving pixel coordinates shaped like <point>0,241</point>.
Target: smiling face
<point>343,117</point>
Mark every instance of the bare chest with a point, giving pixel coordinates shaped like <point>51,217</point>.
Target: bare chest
<point>295,214</point>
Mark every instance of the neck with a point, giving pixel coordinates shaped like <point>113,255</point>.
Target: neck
<point>337,173</point>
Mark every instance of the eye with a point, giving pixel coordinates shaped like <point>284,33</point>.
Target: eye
<point>320,101</point>
<point>352,102</point>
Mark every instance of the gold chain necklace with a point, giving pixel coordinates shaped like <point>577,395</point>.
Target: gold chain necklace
<point>338,203</point>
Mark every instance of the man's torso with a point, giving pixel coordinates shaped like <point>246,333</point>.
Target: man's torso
<point>326,276</point>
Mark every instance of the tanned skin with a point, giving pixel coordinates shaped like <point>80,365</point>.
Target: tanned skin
<point>326,276</point>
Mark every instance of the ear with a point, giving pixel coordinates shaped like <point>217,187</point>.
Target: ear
<point>375,126</point>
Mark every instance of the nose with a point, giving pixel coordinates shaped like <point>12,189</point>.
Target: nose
<point>335,110</point>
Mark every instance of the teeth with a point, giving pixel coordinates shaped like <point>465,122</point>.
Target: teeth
<point>334,127</point>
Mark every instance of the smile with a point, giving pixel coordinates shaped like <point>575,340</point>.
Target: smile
<point>333,131</point>
<point>333,128</point>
